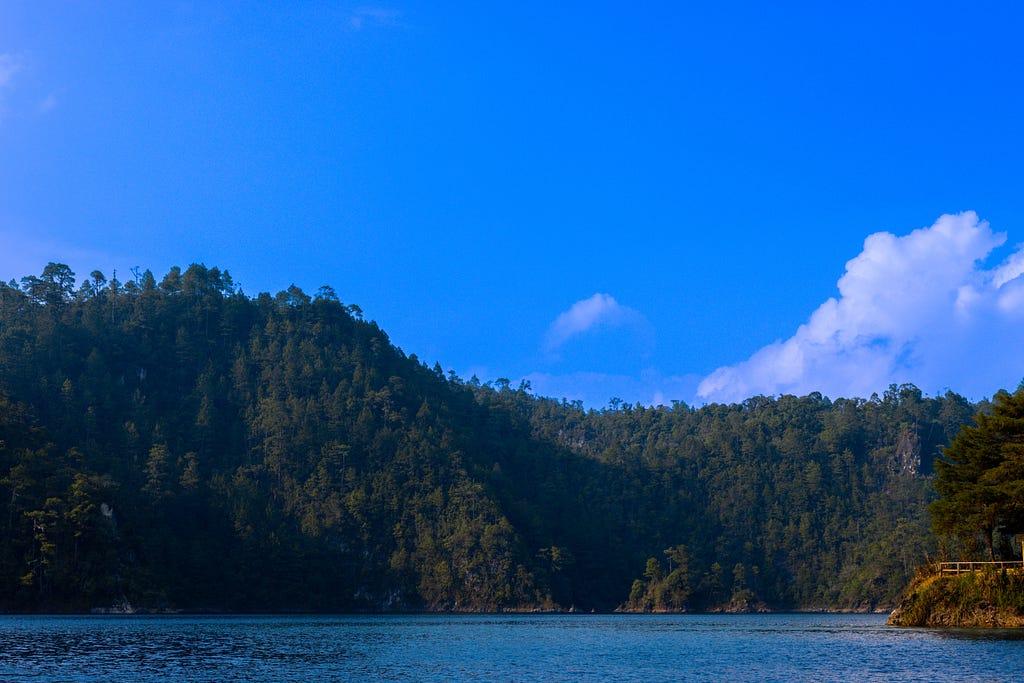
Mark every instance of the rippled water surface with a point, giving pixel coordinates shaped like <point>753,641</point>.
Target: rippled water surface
<point>500,648</point>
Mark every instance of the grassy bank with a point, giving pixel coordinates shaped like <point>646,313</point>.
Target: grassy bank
<point>983,599</point>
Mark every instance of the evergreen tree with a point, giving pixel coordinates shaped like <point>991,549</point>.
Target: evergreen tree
<point>980,476</point>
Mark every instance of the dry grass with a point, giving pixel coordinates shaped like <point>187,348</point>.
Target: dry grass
<point>984,599</point>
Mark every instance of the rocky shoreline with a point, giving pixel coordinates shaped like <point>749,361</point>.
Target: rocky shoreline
<point>983,599</point>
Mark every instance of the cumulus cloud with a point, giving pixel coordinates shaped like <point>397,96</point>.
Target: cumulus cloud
<point>600,310</point>
<point>921,308</point>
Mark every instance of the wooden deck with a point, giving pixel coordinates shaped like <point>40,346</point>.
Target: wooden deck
<point>968,567</point>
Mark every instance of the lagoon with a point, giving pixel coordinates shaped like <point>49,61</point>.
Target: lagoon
<point>762,648</point>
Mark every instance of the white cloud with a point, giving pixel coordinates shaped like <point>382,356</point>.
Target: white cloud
<point>920,308</point>
<point>600,310</point>
<point>9,66</point>
<point>47,104</point>
<point>596,389</point>
<point>363,17</point>
<point>23,253</point>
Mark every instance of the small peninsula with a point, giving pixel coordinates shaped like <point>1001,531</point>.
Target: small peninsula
<point>987,598</point>
<point>979,512</point>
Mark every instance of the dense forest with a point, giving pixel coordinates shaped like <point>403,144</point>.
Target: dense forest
<point>180,445</point>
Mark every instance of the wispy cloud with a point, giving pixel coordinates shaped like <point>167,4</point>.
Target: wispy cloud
<point>596,390</point>
<point>47,104</point>
<point>374,17</point>
<point>920,308</point>
<point>9,66</point>
<point>600,310</point>
<point>11,80</point>
<point>26,252</point>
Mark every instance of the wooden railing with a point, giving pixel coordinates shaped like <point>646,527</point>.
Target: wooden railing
<point>968,567</point>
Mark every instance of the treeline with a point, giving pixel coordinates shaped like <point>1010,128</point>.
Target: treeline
<point>794,502</point>
<point>179,445</point>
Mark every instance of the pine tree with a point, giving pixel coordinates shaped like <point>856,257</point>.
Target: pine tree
<point>980,476</point>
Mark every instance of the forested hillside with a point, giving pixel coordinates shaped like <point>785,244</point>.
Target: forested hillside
<point>179,445</point>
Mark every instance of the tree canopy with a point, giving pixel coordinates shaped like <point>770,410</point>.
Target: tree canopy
<point>980,477</point>
<point>178,444</point>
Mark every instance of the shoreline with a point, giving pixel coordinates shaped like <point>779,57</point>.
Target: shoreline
<point>143,611</point>
<point>978,600</point>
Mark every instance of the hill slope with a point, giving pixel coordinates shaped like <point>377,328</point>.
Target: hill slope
<point>180,445</point>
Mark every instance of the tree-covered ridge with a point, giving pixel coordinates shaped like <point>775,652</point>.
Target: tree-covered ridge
<point>181,445</point>
<point>787,502</point>
<point>276,452</point>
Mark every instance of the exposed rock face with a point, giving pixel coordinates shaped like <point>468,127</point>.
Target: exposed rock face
<point>906,460</point>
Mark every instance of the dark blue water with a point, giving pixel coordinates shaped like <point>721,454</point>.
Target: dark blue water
<point>759,648</point>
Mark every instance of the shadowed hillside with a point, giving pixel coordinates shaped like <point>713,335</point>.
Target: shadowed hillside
<point>179,445</point>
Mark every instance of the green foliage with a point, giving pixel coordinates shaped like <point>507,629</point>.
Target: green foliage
<point>663,592</point>
<point>821,504</point>
<point>182,445</point>
<point>980,477</point>
<point>990,598</point>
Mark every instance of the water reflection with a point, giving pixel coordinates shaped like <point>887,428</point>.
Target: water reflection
<point>979,634</point>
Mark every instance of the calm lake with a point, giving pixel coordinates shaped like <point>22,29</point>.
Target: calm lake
<point>761,648</point>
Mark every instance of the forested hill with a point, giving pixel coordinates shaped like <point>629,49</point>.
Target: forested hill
<point>178,445</point>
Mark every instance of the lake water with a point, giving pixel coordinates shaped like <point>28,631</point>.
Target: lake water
<point>847,648</point>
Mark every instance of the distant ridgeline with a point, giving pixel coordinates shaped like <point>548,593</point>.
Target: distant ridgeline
<point>179,445</point>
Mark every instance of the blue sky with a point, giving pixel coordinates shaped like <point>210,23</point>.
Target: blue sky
<point>651,201</point>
